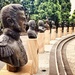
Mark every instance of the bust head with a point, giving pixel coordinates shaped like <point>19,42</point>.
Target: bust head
<point>41,23</point>
<point>53,24</point>
<point>47,21</point>
<point>60,24</point>
<point>13,17</point>
<point>32,24</point>
<point>41,26</point>
<point>65,24</point>
<point>31,31</point>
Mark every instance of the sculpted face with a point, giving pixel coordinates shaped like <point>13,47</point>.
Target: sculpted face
<point>32,24</point>
<point>13,17</point>
<point>21,19</point>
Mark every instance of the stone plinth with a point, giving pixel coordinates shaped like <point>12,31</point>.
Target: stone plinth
<point>59,32</point>
<point>53,34</point>
<point>70,30</point>
<point>47,37</point>
<point>41,41</point>
<point>25,70</point>
<point>65,31</point>
<point>32,51</point>
<point>74,29</point>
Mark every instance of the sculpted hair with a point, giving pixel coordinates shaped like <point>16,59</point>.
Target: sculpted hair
<point>40,23</point>
<point>11,11</point>
<point>31,22</point>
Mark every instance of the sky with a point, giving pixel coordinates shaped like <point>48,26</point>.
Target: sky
<point>72,6</point>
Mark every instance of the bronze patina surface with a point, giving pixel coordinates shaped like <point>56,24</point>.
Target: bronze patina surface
<point>12,51</point>
<point>31,31</point>
<point>41,26</point>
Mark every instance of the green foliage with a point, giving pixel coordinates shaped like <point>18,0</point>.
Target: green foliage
<point>73,16</point>
<point>58,15</point>
<point>35,17</point>
<point>6,2</point>
<point>56,10</point>
<point>66,8</point>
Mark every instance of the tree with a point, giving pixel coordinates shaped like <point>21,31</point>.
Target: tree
<point>56,10</point>
<point>66,8</point>
<point>73,15</point>
<point>6,2</point>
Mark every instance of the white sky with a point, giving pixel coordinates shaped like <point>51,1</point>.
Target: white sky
<point>72,6</point>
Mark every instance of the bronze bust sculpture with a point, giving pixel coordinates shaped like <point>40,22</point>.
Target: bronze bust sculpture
<point>41,26</point>
<point>31,31</point>
<point>47,24</point>
<point>53,25</point>
<point>65,24</point>
<point>12,51</point>
<point>59,24</point>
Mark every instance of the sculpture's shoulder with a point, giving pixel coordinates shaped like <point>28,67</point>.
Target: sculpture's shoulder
<point>41,28</point>
<point>3,40</point>
<point>47,26</point>
<point>32,34</point>
<point>5,49</point>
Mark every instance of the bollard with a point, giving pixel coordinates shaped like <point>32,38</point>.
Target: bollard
<point>31,47</point>
<point>53,34</point>
<point>65,31</point>
<point>74,29</point>
<point>32,51</point>
<point>25,70</point>
<point>70,30</point>
<point>47,37</point>
<point>41,41</point>
<point>59,32</point>
<point>24,40</point>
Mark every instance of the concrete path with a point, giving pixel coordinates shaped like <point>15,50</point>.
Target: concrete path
<point>70,54</point>
<point>43,58</point>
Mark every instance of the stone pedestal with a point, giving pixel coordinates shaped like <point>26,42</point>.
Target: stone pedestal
<point>41,41</point>
<point>59,32</point>
<point>47,37</point>
<point>53,34</point>
<point>74,29</point>
<point>65,31</point>
<point>31,47</point>
<point>25,70</point>
<point>24,40</point>
<point>32,51</point>
<point>70,30</point>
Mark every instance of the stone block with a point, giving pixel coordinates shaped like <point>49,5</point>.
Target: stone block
<point>25,70</point>
<point>53,34</point>
<point>59,32</point>
<point>41,41</point>
<point>65,31</point>
<point>70,30</point>
<point>47,37</point>
<point>32,51</point>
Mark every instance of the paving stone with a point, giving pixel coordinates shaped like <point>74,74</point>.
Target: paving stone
<point>53,42</point>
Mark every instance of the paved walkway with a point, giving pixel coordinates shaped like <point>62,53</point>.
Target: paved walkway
<point>44,57</point>
<point>70,53</point>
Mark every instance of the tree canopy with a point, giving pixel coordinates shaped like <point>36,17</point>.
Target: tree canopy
<point>57,10</point>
